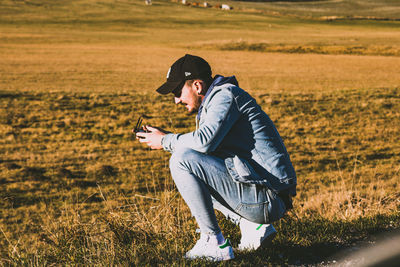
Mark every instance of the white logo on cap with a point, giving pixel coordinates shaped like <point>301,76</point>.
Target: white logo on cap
<point>168,73</point>
<point>187,73</point>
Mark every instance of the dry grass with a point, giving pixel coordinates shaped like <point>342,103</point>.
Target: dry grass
<point>77,189</point>
<point>121,68</point>
<point>80,184</point>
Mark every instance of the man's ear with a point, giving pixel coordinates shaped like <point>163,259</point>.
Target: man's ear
<point>199,86</point>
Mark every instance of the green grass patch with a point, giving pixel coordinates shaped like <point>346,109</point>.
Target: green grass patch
<point>305,49</point>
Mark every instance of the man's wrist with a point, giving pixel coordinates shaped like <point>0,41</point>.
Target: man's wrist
<point>166,142</point>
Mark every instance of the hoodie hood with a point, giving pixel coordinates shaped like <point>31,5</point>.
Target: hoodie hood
<point>218,80</point>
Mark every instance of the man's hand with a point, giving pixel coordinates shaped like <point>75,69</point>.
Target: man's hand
<point>152,137</point>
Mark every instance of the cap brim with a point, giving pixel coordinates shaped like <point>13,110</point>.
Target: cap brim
<point>168,87</point>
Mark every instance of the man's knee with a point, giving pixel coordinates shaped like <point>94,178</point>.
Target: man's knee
<point>182,158</point>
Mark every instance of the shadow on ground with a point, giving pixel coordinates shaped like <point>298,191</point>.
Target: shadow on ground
<point>318,242</point>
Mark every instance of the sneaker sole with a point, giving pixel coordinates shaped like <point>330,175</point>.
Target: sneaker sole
<point>210,258</point>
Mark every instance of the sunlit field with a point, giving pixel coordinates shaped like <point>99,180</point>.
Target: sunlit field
<point>77,189</point>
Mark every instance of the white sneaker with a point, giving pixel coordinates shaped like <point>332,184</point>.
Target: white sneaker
<point>255,235</point>
<point>209,249</point>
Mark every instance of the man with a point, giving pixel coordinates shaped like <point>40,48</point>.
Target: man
<point>235,160</point>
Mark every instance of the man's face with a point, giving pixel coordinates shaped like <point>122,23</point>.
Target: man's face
<point>190,97</point>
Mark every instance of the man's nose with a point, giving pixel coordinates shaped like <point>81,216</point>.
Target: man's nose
<point>177,100</point>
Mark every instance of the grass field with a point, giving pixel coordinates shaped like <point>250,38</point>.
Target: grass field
<point>77,189</point>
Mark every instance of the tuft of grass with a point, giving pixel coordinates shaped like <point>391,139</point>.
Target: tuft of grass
<point>304,49</point>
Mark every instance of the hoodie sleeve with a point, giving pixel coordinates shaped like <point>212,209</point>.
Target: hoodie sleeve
<point>222,113</point>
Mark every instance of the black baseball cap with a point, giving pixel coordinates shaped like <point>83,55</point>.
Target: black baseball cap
<point>188,67</point>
